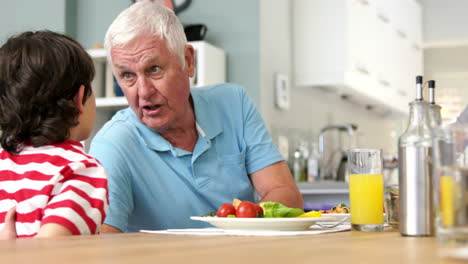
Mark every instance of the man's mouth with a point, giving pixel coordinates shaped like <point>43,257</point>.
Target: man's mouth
<point>152,107</point>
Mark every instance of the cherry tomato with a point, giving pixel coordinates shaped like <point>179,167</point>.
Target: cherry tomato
<point>246,209</point>
<point>259,210</point>
<point>225,210</point>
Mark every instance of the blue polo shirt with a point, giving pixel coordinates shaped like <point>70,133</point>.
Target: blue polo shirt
<point>153,185</point>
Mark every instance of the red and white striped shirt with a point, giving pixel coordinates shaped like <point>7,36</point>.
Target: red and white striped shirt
<point>56,183</point>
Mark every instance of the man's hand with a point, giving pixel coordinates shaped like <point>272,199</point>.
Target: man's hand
<point>108,229</point>
<point>9,229</point>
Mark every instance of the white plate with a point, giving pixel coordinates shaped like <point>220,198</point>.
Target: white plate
<point>339,216</point>
<point>278,224</point>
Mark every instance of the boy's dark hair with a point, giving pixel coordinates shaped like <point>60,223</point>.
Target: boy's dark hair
<point>40,74</point>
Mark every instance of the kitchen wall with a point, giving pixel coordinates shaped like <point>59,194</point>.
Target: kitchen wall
<point>92,18</point>
<point>445,20</point>
<point>446,53</point>
<point>233,26</point>
<point>21,15</point>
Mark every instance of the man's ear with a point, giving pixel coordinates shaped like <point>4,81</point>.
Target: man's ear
<point>78,100</point>
<point>189,57</point>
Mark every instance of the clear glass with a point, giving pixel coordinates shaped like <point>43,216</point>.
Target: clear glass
<point>435,119</point>
<point>451,163</point>
<point>366,189</point>
<point>392,205</point>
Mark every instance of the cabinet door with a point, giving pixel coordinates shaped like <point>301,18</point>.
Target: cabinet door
<point>210,64</point>
<point>361,36</point>
<point>385,66</point>
<point>414,21</point>
<point>406,75</point>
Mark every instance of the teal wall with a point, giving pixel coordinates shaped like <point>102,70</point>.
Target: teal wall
<point>233,26</point>
<point>93,18</point>
<point>22,15</point>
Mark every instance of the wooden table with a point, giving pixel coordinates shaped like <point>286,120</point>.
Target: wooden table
<point>344,248</point>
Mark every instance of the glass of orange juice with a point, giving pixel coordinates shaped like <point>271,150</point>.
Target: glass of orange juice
<point>451,184</point>
<point>366,189</point>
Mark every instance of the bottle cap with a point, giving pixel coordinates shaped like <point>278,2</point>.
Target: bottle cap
<point>431,85</point>
<point>419,79</point>
<point>419,88</point>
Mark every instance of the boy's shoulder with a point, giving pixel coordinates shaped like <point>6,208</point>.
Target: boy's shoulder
<point>58,154</point>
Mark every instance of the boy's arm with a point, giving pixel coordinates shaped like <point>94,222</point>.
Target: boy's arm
<point>9,229</point>
<point>47,230</point>
<point>53,230</point>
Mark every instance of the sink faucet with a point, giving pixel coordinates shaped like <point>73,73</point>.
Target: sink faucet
<point>337,170</point>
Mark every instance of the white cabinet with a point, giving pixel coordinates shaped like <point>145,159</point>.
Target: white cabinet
<point>210,68</point>
<point>368,51</point>
<point>210,64</point>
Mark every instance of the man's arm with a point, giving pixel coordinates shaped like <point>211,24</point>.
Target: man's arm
<point>108,229</point>
<point>9,229</point>
<point>275,183</point>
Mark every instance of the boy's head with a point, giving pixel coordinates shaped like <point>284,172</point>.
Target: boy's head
<point>41,76</point>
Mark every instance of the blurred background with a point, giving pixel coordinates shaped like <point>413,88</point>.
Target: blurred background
<point>325,75</point>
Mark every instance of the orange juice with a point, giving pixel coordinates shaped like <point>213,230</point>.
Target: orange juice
<point>366,198</point>
<point>446,200</point>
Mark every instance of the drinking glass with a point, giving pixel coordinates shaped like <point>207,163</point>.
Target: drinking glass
<point>392,204</point>
<point>366,189</point>
<point>451,172</point>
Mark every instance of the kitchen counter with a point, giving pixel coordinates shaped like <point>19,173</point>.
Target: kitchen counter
<point>344,247</point>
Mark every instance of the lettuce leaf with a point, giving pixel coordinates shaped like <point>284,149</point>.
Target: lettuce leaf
<point>273,209</point>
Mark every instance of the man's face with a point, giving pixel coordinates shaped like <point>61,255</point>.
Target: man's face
<point>153,81</point>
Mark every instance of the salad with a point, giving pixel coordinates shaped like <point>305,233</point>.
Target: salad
<point>246,209</point>
<point>339,209</point>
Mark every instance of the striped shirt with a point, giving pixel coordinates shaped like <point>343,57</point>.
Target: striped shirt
<point>56,183</point>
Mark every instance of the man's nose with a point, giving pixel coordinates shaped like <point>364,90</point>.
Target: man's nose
<point>145,88</point>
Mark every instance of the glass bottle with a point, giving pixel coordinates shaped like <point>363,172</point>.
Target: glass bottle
<point>415,170</point>
<point>298,166</point>
<point>435,118</point>
<point>313,163</point>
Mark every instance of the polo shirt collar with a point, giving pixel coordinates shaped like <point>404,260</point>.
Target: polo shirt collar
<point>208,119</point>
<point>151,138</point>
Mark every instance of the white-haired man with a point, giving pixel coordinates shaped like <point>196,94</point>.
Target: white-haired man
<point>178,152</point>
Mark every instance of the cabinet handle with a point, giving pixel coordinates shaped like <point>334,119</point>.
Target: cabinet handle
<point>364,2</point>
<point>401,33</point>
<point>402,93</point>
<point>383,18</point>
<point>362,70</point>
<point>384,83</point>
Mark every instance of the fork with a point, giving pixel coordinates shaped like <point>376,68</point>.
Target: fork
<point>335,224</point>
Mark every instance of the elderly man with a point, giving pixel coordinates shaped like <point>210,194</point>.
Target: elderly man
<point>178,152</point>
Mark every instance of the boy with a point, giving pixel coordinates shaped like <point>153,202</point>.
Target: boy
<point>46,108</point>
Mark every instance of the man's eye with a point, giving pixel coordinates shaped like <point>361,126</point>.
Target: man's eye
<point>155,69</point>
<point>126,75</point>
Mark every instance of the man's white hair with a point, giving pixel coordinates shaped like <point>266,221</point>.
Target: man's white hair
<point>143,18</point>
